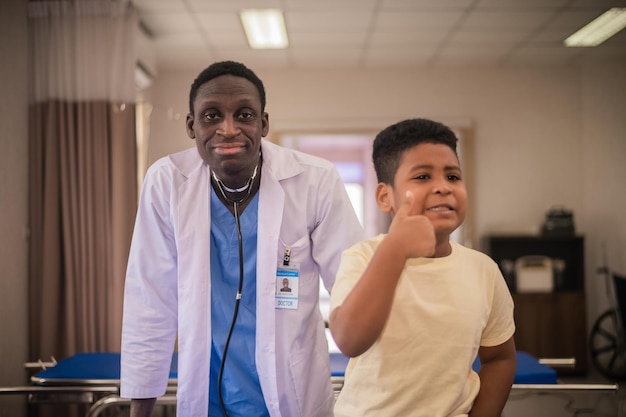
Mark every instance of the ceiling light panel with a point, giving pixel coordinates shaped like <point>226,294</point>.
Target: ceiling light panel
<point>265,28</point>
<point>599,30</point>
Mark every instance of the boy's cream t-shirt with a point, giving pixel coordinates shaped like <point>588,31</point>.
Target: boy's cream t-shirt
<point>443,310</point>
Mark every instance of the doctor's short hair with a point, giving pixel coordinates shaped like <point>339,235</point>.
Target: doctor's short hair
<point>392,142</point>
<point>218,69</point>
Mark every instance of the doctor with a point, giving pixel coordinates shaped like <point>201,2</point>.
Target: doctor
<point>218,228</point>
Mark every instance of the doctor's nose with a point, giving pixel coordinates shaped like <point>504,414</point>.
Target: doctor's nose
<point>228,128</point>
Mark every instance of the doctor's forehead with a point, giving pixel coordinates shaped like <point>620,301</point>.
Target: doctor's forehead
<point>229,87</point>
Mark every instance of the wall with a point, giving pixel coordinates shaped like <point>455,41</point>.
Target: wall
<point>541,136</point>
<point>13,201</point>
<point>520,120</point>
<point>603,131</point>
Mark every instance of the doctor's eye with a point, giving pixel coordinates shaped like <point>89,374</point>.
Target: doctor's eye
<point>245,115</point>
<point>210,115</point>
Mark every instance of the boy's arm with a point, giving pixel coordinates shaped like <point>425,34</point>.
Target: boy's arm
<point>358,321</point>
<point>497,372</point>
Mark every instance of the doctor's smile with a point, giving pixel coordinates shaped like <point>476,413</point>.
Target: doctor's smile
<point>228,149</point>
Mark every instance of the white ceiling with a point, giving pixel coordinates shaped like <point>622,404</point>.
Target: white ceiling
<point>190,34</point>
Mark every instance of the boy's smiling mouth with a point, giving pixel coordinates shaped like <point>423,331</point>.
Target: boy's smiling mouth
<point>440,208</point>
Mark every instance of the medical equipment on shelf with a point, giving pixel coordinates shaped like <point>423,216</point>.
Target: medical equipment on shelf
<point>534,273</point>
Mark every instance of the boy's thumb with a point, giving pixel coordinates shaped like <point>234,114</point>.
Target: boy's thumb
<point>407,204</point>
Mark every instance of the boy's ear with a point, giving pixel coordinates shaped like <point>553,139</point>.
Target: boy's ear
<point>384,197</point>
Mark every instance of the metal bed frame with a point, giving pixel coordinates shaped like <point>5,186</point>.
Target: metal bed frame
<point>101,393</point>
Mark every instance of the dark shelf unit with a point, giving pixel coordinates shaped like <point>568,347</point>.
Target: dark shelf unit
<point>548,324</point>
<point>569,249</point>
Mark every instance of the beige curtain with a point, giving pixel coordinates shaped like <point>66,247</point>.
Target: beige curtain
<point>83,188</point>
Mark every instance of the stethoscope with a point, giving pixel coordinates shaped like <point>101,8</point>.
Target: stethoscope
<point>236,203</point>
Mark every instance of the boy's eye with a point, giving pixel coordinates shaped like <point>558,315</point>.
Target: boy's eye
<point>454,177</point>
<point>422,177</point>
<point>210,116</point>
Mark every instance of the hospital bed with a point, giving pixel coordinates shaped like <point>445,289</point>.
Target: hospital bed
<point>93,379</point>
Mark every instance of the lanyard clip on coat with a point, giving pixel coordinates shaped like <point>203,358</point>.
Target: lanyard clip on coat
<point>287,256</point>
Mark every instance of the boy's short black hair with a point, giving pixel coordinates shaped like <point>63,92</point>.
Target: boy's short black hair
<point>391,143</point>
<point>218,69</point>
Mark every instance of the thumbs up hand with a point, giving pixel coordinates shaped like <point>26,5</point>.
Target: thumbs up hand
<point>413,234</point>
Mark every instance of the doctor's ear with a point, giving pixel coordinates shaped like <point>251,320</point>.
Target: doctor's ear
<point>189,126</point>
<point>384,197</point>
<point>265,122</point>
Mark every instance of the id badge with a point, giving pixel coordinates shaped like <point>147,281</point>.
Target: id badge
<point>287,285</point>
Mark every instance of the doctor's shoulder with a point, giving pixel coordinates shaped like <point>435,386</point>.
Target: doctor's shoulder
<point>170,171</point>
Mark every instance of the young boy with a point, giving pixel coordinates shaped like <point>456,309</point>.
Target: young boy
<point>412,308</point>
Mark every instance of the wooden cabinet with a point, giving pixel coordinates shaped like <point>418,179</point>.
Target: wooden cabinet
<point>552,326</point>
<point>549,324</point>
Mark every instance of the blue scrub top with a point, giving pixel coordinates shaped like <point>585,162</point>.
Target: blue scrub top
<point>241,389</point>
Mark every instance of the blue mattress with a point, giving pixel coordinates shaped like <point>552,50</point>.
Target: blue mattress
<point>105,367</point>
<point>529,370</point>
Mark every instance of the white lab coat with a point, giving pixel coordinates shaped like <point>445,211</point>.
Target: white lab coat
<point>302,203</point>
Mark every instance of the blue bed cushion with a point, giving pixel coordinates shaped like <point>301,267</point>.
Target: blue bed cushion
<point>90,366</point>
<point>529,370</point>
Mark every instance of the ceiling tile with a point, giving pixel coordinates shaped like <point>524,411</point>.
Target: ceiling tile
<point>339,21</point>
<point>479,52</point>
<point>544,55</point>
<point>326,5</point>
<point>179,40</point>
<point>426,4</point>
<point>159,6</point>
<point>486,37</point>
<point>417,20</point>
<point>164,23</point>
<point>231,5</point>
<point>330,39</point>
<point>395,54</point>
<point>506,20</point>
<point>390,39</point>
<point>381,33</point>
<point>522,4</point>
<point>212,22</point>
<point>603,4</point>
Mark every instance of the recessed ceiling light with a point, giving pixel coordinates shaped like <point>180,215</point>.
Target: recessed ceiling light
<point>265,28</point>
<point>600,29</point>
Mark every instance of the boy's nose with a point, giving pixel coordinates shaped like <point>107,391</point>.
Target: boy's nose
<point>442,187</point>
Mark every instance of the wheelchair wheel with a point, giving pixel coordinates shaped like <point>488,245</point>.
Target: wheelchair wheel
<point>607,347</point>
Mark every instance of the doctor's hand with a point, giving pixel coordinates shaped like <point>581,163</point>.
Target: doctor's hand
<point>413,234</point>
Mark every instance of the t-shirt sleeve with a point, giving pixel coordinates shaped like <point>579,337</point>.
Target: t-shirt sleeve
<point>500,325</point>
